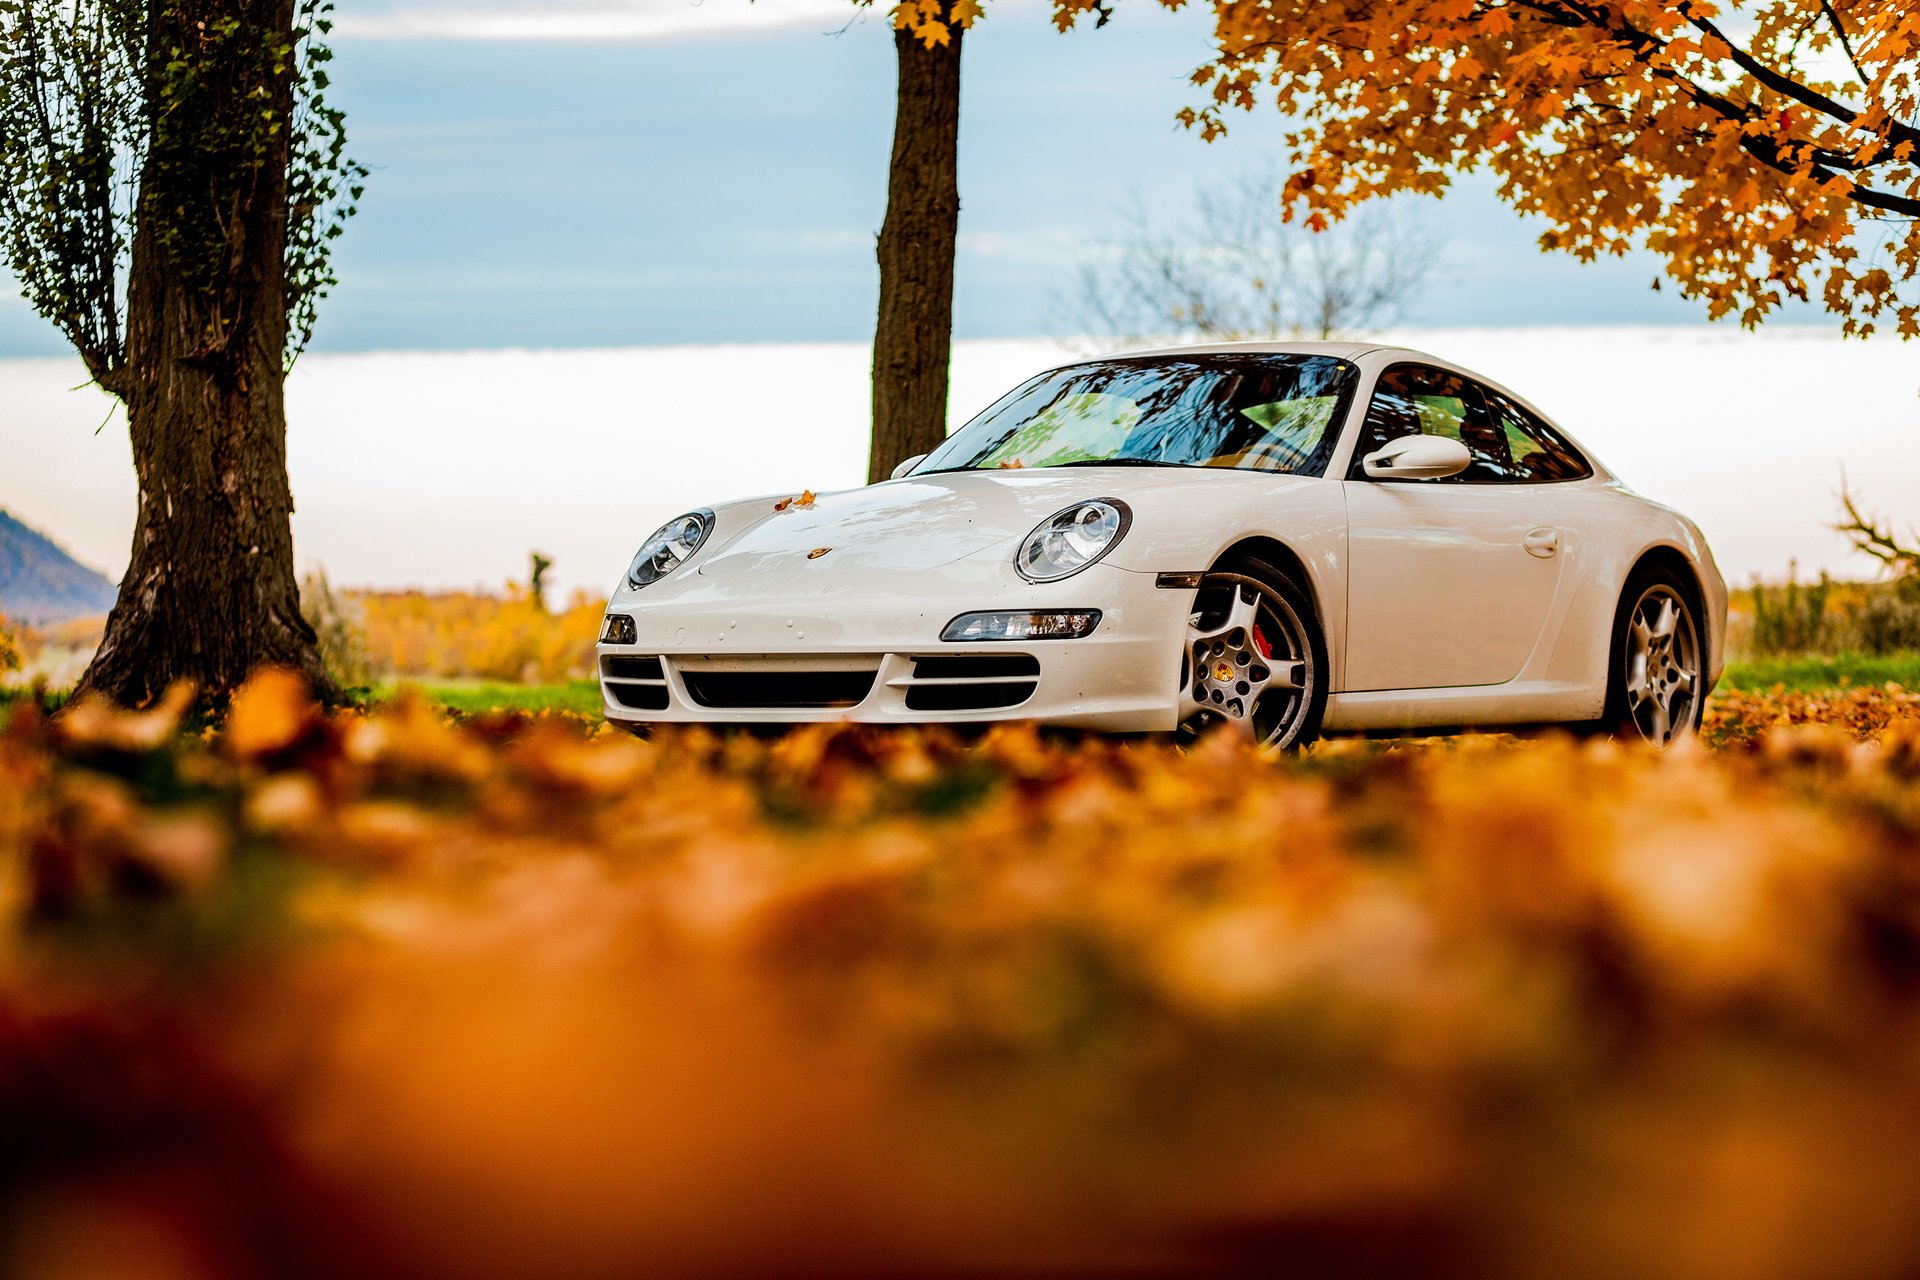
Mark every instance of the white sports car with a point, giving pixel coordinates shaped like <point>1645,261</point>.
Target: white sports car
<point>1289,538</point>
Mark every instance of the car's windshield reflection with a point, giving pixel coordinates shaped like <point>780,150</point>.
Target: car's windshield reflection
<point>1256,412</point>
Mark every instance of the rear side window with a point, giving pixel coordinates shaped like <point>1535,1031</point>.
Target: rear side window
<point>1539,453</point>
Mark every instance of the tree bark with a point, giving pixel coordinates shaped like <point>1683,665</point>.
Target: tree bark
<point>210,593</point>
<point>912,342</point>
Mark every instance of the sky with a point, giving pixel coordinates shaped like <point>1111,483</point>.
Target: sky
<point>607,173</point>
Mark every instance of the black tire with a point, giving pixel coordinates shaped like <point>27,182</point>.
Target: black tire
<point>1289,608</point>
<point>1625,717</point>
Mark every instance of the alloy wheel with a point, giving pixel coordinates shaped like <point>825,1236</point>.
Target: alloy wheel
<point>1662,673</point>
<point>1248,662</point>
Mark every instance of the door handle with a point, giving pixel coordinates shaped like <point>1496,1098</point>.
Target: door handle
<point>1542,542</point>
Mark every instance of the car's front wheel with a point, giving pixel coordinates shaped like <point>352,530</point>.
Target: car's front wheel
<point>1656,687</point>
<point>1254,658</point>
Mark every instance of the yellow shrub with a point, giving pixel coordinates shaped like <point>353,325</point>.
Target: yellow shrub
<point>452,635</point>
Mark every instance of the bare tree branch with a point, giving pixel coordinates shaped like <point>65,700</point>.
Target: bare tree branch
<point>1880,541</point>
<point>1236,271</point>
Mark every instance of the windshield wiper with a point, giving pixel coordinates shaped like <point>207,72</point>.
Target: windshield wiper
<point>1121,462</point>
<point>1080,462</point>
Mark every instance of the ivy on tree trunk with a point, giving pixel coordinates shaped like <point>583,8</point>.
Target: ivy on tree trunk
<point>210,592</point>
<point>183,147</point>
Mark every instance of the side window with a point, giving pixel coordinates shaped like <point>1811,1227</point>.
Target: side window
<point>1540,454</point>
<point>1418,399</point>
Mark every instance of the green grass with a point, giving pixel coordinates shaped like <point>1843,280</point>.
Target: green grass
<point>14,693</point>
<point>469,696</point>
<point>1805,674</point>
<point>1835,671</point>
<point>1801,675</point>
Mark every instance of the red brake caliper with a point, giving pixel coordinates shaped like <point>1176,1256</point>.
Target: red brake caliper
<point>1261,643</point>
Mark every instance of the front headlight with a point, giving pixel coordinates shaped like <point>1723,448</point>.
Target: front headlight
<point>669,546</point>
<point>1070,540</point>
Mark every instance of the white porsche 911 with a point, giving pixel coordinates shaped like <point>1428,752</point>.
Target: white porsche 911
<point>1287,538</point>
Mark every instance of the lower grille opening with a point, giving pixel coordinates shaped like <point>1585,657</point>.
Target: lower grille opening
<point>967,697</point>
<point>745,689</point>
<point>621,667</point>
<point>975,667</point>
<point>997,675</point>
<point>640,697</point>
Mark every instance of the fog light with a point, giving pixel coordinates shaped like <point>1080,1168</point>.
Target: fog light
<point>619,629</point>
<point>1034,624</point>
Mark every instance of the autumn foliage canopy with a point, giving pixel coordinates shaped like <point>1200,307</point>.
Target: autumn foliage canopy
<point>1765,150</point>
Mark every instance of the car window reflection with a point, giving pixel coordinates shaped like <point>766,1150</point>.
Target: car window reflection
<point>1253,412</point>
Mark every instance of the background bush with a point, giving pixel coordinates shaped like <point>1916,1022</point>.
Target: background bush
<point>1827,617</point>
<point>338,623</point>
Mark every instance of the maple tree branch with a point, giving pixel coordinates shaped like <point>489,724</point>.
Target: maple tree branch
<point>1791,158</point>
<point>1788,87</point>
<point>1886,200</point>
<point>1554,14</point>
<point>1646,45</point>
<point>1846,41</point>
<point>1773,156</point>
<point>1825,163</point>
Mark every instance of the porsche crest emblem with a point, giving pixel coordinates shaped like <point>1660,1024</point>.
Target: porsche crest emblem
<point>817,552</point>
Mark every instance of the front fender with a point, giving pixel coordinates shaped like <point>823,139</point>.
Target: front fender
<point>1186,529</point>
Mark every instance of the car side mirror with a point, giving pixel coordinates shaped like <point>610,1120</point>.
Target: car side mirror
<point>907,466</point>
<point>1417,458</point>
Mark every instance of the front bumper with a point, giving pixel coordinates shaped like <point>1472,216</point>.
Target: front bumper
<point>708,636</point>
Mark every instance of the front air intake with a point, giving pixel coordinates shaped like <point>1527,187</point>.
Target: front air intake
<point>778,690</point>
<point>621,667</point>
<point>635,682</point>
<point>969,682</point>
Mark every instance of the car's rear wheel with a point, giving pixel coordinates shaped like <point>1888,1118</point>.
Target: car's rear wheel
<point>1656,686</point>
<point>1254,659</point>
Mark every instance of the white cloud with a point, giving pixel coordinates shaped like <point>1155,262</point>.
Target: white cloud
<point>594,19</point>
<point>559,20</point>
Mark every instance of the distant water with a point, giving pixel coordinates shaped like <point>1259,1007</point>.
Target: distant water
<point>447,469</point>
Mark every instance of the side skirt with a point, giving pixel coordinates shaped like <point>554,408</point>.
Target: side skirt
<point>1531,702</point>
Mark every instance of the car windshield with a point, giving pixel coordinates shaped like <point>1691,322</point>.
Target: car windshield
<point>1253,412</point>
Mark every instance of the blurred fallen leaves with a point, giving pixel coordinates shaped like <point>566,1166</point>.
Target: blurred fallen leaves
<point>1735,716</point>
<point>389,995</point>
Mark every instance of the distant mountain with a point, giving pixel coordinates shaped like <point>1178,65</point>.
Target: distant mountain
<point>41,583</point>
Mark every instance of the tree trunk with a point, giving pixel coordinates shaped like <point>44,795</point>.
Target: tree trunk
<point>913,339</point>
<point>210,592</point>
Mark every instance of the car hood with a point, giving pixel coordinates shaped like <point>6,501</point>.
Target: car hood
<point>925,522</point>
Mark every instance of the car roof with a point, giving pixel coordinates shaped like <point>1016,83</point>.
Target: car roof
<point>1302,347</point>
